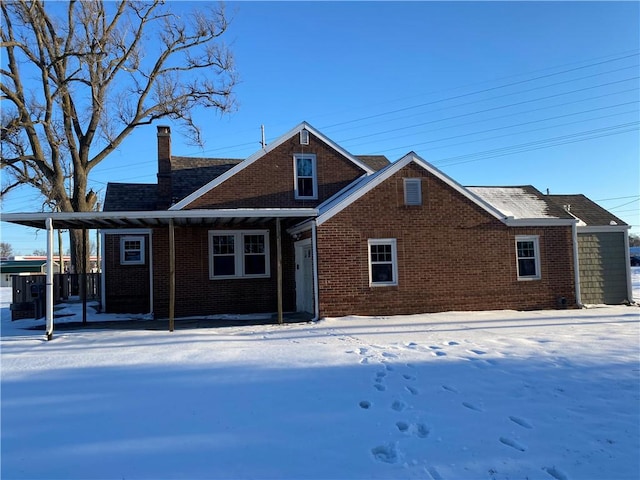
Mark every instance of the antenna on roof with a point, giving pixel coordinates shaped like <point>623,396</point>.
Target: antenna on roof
<point>262,142</point>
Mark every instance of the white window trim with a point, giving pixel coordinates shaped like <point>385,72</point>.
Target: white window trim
<point>239,253</point>
<point>536,251</point>
<point>407,199</point>
<point>129,238</point>
<point>394,261</point>
<point>314,167</point>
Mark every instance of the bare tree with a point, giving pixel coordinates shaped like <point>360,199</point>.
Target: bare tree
<point>6,250</point>
<point>77,78</point>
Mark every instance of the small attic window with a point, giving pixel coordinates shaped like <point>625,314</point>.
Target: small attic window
<point>412,191</point>
<point>304,137</point>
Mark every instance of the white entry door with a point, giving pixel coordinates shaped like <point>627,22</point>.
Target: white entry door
<point>304,276</point>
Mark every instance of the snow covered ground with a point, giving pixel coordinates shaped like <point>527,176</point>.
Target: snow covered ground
<point>473,395</point>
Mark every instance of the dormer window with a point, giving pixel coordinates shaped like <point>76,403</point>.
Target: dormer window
<point>305,181</point>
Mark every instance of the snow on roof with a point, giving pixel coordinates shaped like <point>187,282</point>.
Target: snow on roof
<point>518,202</point>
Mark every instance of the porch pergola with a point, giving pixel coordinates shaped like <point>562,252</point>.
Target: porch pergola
<point>169,219</point>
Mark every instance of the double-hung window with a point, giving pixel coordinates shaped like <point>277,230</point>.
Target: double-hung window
<point>306,179</point>
<point>238,254</point>
<point>383,262</point>
<point>131,250</point>
<point>528,257</point>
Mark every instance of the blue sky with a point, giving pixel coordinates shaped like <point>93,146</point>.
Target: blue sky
<point>492,93</point>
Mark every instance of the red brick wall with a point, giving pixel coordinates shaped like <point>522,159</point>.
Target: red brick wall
<point>452,255</point>
<point>197,295</point>
<point>269,181</point>
<point>126,286</point>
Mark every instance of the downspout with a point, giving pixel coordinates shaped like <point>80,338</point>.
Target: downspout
<point>628,268</point>
<point>151,273</point>
<point>576,263</point>
<point>49,281</point>
<point>314,248</point>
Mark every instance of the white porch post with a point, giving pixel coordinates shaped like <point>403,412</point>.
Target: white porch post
<point>49,281</point>
<point>279,270</point>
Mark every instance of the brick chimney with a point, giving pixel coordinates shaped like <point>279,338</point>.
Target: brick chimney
<point>164,199</point>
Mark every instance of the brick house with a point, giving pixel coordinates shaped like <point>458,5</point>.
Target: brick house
<point>304,226</point>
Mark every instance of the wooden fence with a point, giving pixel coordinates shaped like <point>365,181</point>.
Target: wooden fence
<point>27,290</point>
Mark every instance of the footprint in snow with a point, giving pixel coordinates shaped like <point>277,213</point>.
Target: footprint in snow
<point>398,405</point>
<point>434,347</point>
<point>365,404</point>
<point>421,430</point>
<point>402,426</point>
<point>439,353</point>
<point>406,376</point>
<point>520,421</point>
<point>381,374</point>
<point>379,387</point>
<point>555,473</point>
<point>412,390</point>
<point>364,360</point>
<point>362,350</point>
<point>452,343</point>
<point>471,406</point>
<point>385,453</point>
<point>449,389</point>
<point>477,352</point>
<point>389,367</point>
<point>411,345</point>
<point>389,355</point>
<point>512,443</point>
<point>433,473</point>
<point>410,365</point>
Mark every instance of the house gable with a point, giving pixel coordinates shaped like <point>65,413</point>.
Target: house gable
<point>358,189</point>
<point>267,178</point>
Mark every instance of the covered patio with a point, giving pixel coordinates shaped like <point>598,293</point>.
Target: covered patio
<point>164,219</point>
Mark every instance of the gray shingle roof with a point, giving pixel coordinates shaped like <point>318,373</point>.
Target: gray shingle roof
<point>522,202</point>
<point>132,197</point>
<point>586,210</point>
<point>189,174</point>
<point>376,162</point>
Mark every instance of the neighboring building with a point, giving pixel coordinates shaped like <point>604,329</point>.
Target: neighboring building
<point>352,235</point>
<point>8,268</point>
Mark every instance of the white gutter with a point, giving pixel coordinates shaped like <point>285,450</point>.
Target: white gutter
<point>576,264</point>
<point>539,222</point>
<point>316,289</point>
<point>163,214</point>
<point>49,281</point>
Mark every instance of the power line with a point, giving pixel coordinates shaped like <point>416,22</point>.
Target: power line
<point>476,92</point>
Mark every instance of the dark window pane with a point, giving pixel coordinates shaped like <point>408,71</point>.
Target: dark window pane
<point>223,266</point>
<point>254,244</point>
<point>305,167</point>
<point>525,250</point>
<point>381,253</point>
<point>381,273</point>
<point>305,187</point>
<point>527,267</point>
<point>254,265</point>
<point>133,256</point>
<point>223,244</point>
